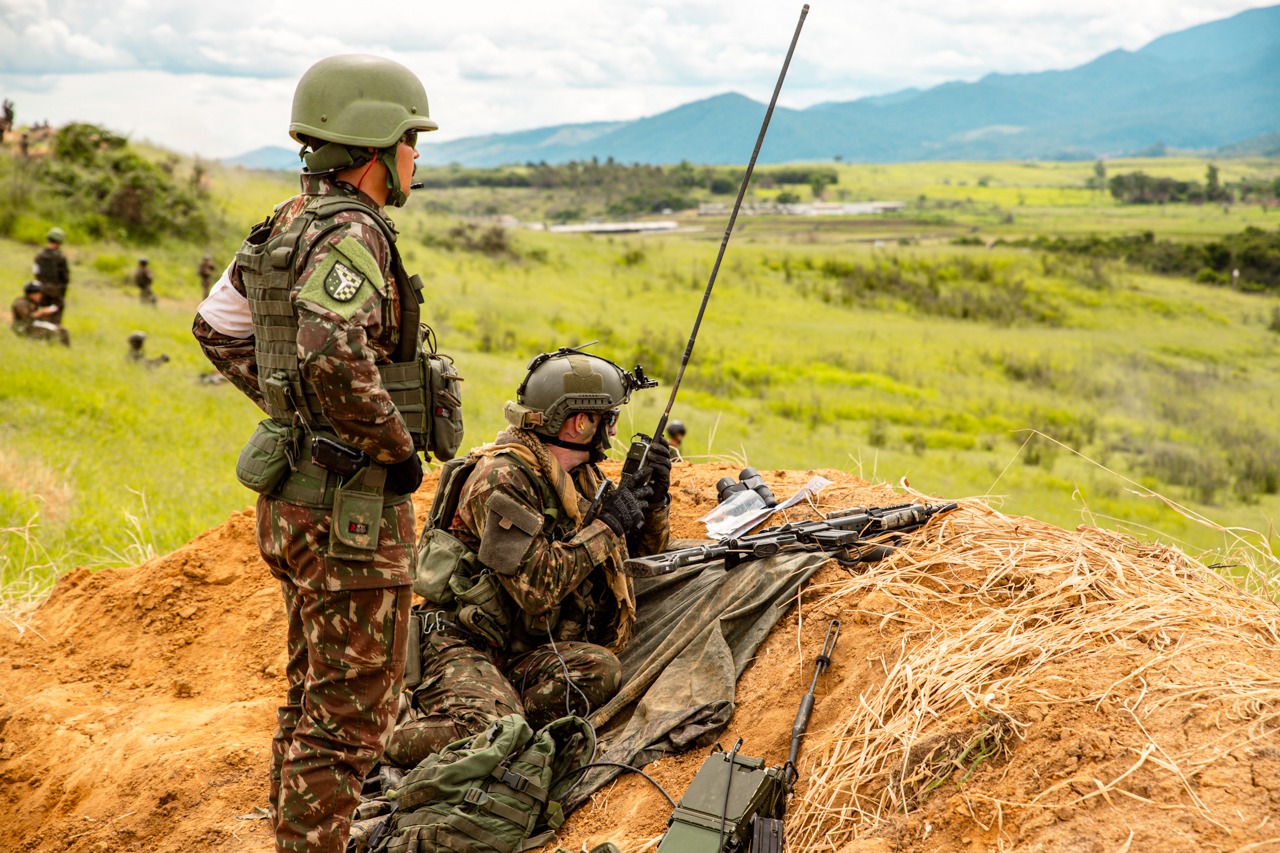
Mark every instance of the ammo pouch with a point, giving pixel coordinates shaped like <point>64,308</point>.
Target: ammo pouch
<point>481,609</point>
<point>357,515</point>
<point>428,394</point>
<point>440,557</point>
<point>490,792</point>
<point>267,458</point>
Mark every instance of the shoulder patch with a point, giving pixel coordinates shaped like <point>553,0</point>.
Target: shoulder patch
<point>345,280</point>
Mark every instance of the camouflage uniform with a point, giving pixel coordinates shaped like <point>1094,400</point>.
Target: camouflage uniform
<point>143,277</point>
<point>53,273</point>
<point>347,620</point>
<point>568,606</point>
<point>27,325</point>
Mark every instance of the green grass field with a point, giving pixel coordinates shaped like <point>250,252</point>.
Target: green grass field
<point>1066,389</point>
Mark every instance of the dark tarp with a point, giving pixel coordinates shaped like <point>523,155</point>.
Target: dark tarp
<point>696,631</point>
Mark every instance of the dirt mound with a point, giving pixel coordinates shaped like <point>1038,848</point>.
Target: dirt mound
<point>1001,684</point>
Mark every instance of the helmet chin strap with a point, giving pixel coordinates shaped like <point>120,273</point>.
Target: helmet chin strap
<point>396,196</point>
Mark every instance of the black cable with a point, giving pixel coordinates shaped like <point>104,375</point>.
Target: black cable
<point>578,772</point>
<point>569,683</point>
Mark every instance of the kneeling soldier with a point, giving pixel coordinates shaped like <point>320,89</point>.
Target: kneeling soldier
<point>526,605</point>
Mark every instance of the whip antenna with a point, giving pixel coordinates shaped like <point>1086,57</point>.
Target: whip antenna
<point>733,217</point>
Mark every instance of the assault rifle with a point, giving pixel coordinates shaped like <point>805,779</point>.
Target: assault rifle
<point>850,534</point>
<point>734,804</point>
<point>638,453</point>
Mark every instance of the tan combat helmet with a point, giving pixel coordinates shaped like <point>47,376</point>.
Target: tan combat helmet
<point>345,105</point>
<point>566,381</point>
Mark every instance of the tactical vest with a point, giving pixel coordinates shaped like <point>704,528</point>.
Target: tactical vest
<point>450,576</point>
<point>422,384</point>
<point>49,270</point>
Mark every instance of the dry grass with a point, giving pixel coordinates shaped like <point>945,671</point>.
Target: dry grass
<point>985,611</point>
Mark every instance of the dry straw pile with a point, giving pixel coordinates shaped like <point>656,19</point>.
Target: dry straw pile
<point>1032,676</point>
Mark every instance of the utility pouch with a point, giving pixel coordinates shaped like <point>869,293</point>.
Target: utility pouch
<point>440,557</point>
<point>357,516</point>
<point>443,388</point>
<point>480,607</point>
<point>266,458</point>
<point>413,653</point>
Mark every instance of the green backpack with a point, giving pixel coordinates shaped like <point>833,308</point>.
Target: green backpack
<point>493,792</point>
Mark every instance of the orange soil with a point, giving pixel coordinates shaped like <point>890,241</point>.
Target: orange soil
<point>137,705</point>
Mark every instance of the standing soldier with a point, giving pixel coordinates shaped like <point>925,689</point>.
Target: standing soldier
<point>205,270</point>
<point>527,605</point>
<point>53,274</point>
<point>315,306</point>
<point>143,277</point>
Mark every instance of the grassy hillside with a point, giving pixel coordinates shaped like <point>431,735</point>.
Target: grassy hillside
<point>868,344</point>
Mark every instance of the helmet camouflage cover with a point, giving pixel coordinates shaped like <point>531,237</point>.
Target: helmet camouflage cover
<point>568,381</point>
<point>56,235</point>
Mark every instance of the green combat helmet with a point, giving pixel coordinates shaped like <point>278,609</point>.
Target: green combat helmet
<point>56,235</point>
<point>348,104</point>
<point>566,381</point>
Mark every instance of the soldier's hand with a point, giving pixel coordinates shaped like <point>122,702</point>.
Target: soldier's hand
<point>656,473</point>
<point>405,476</point>
<point>623,510</point>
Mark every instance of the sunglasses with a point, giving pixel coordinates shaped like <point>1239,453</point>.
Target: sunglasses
<point>410,138</point>
<point>609,418</point>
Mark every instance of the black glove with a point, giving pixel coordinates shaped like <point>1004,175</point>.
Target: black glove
<point>656,473</point>
<point>405,476</point>
<point>623,510</point>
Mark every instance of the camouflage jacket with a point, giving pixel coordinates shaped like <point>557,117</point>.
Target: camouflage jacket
<point>143,276</point>
<point>23,308</point>
<point>51,270</point>
<point>340,343</point>
<point>561,582</point>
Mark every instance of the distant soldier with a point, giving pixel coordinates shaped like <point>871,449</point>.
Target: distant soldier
<point>24,145</point>
<point>51,271</point>
<point>675,436</point>
<point>31,317</point>
<point>136,342</point>
<point>6,120</point>
<point>205,270</point>
<point>143,277</point>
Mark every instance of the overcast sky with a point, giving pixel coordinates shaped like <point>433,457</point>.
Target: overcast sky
<point>215,77</point>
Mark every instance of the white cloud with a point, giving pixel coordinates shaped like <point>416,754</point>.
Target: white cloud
<point>218,77</point>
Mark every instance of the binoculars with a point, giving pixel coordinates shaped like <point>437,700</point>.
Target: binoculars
<point>749,478</point>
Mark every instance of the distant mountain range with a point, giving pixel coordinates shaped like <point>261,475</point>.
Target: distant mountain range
<point>1210,87</point>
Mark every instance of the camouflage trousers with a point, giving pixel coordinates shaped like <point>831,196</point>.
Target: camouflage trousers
<point>347,630</point>
<point>45,330</point>
<point>464,689</point>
